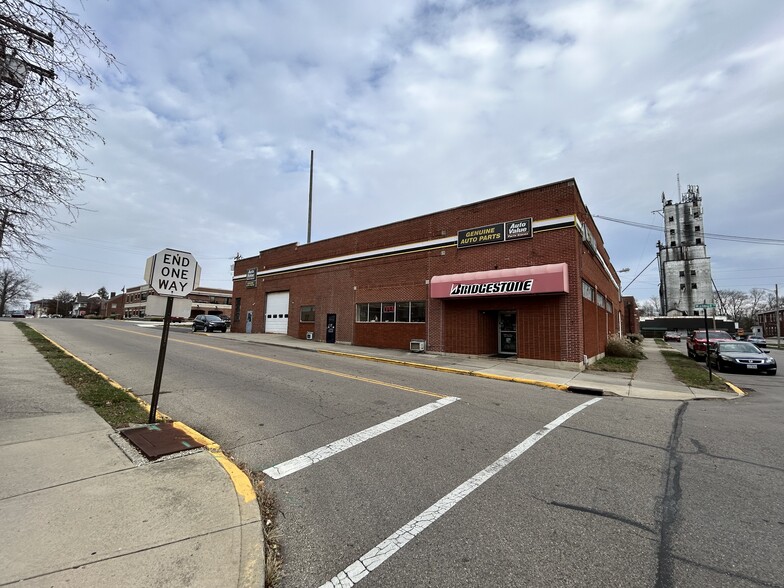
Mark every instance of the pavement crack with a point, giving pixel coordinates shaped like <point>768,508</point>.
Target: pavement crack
<point>702,450</point>
<point>730,573</point>
<point>602,513</point>
<point>670,504</point>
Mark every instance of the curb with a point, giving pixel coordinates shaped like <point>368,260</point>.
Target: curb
<point>436,368</point>
<point>562,387</point>
<point>251,542</point>
<point>735,389</point>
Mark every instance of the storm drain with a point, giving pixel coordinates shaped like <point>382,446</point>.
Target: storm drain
<point>159,439</point>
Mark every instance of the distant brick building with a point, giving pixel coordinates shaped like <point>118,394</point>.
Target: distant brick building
<point>204,300</point>
<point>522,275</point>
<point>631,316</point>
<point>114,307</point>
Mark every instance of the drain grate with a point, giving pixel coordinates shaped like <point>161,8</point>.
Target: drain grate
<point>160,439</point>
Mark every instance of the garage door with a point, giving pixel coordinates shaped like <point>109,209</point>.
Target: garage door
<point>277,318</point>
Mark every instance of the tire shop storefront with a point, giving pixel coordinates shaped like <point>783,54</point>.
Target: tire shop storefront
<point>524,275</point>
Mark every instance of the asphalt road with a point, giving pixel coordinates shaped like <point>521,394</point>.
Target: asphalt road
<point>509,485</point>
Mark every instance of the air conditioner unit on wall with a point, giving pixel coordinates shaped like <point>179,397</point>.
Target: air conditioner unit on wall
<point>417,345</point>
<point>309,335</point>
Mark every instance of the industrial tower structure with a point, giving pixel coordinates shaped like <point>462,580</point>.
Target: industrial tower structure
<point>684,266</point>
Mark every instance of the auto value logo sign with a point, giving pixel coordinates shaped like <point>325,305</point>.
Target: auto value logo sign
<point>496,233</point>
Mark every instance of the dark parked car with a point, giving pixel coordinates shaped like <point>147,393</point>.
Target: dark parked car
<point>226,320</point>
<point>741,356</point>
<point>208,323</point>
<point>758,340</point>
<point>696,343</point>
<point>672,336</point>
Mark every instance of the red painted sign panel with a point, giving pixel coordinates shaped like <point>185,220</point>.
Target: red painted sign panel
<point>519,281</point>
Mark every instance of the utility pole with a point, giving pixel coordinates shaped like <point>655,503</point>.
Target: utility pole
<point>310,195</point>
<point>778,320</point>
<point>13,69</point>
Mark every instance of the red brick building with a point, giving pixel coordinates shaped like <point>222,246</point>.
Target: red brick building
<point>522,275</point>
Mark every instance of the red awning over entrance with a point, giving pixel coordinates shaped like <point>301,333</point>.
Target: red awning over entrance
<point>519,281</point>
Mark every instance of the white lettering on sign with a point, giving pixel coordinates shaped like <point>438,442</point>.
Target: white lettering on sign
<point>491,288</point>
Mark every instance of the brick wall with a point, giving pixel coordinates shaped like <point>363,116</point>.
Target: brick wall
<point>558,328</point>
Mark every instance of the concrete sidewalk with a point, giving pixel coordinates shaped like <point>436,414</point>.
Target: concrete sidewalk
<point>76,509</point>
<point>653,380</point>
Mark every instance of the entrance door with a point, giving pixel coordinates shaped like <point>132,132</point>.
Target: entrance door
<point>249,322</point>
<point>332,320</point>
<point>507,332</point>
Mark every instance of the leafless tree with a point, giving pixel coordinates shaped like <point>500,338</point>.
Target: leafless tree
<point>44,126</point>
<point>650,307</point>
<point>734,303</point>
<point>756,302</point>
<point>15,287</point>
<point>61,303</point>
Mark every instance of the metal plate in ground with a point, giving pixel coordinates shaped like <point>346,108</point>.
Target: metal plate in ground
<point>160,439</point>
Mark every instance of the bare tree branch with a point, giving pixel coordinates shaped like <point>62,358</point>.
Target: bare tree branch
<point>44,126</point>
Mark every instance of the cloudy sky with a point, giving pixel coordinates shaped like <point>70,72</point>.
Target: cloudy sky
<point>416,106</point>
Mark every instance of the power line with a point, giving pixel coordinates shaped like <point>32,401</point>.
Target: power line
<point>638,275</point>
<point>719,237</point>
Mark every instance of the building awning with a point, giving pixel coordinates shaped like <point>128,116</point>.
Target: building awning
<point>519,281</point>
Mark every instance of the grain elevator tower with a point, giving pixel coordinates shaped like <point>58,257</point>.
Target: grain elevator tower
<point>684,266</point>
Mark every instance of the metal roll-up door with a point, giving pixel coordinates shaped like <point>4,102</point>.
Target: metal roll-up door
<point>276,320</point>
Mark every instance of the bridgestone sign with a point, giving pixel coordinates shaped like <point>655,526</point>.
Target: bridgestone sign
<point>491,288</point>
<point>172,273</point>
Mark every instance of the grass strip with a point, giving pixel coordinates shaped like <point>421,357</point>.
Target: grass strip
<point>615,364</point>
<point>692,373</point>
<point>117,406</point>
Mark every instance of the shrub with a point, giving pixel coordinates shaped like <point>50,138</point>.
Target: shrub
<point>623,347</point>
<point>635,337</point>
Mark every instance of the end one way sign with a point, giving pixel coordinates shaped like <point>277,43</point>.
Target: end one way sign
<point>172,273</point>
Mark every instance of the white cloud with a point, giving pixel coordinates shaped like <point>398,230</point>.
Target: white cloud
<point>412,107</point>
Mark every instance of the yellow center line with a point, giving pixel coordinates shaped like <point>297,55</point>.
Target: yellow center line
<point>287,363</point>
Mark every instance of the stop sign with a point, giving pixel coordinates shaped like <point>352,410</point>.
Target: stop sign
<point>172,273</point>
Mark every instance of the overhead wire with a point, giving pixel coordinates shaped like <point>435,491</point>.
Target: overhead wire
<point>736,238</point>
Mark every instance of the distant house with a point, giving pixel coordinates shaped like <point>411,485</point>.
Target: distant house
<point>41,307</point>
<point>83,305</point>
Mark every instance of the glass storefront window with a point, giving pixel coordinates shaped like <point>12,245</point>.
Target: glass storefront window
<point>418,312</point>
<point>307,314</point>
<point>388,312</point>
<point>399,312</point>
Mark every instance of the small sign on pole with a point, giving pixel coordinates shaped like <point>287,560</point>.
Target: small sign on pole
<point>170,273</point>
